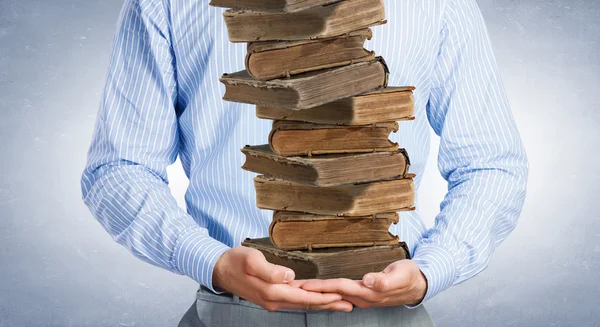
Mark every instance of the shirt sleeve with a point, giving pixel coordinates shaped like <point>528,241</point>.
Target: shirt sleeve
<point>135,139</point>
<point>480,155</point>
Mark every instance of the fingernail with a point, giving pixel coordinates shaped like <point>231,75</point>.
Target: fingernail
<point>369,280</point>
<point>286,277</point>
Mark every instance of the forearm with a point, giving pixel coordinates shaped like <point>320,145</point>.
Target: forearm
<point>137,209</point>
<point>476,215</point>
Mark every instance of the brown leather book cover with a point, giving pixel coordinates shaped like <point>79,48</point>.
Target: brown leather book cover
<point>318,22</point>
<point>351,263</point>
<point>387,104</point>
<point>309,89</point>
<point>277,59</point>
<point>328,169</point>
<point>288,138</point>
<point>280,6</point>
<point>344,200</point>
<point>302,231</point>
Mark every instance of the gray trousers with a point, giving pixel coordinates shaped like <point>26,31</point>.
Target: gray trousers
<point>225,310</point>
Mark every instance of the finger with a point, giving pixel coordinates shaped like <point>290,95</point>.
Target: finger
<point>380,282</point>
<point>300,296</point>
<point>359,302</point>
<point>297,283</point>
<point>258,266</point>
<point>364,304</point>
<point>340,305</point>
<point>339,285</point>
<point>346,287</point>
<point>392,278</point>
<point>286,293</point>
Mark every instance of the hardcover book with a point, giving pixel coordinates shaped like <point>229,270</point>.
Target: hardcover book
<point>276,59</point>
<point>351,263</point>
<point>387,104</point>
<point>344,200</point>
<point>280,6</point>
<point>289,138</point>
<point>302,231</point>
<point>318,22</point>
<point>327,170</point>
<point>309,89</point>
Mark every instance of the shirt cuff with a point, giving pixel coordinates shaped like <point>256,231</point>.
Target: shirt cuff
<point>437,264</point>
<point>196,254</point>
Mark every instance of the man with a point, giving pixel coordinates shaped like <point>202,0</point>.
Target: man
<point>163,99</point>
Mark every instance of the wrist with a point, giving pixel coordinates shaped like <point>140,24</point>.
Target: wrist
<point>438,269</point>
<point>218,277</point>
<point>196,254</point>
<point>421,286</point>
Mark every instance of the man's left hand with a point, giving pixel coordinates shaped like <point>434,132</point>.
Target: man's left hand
<point>400,283</point>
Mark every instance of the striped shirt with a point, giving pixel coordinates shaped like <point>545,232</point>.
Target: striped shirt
<point>162,100</point>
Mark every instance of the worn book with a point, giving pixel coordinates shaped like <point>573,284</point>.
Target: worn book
<point>309,89</point>
<point>328,169</point>
<point>303,231</point>
<point>289,138</point>
<point>387,104</point>
<point>351,263</point>
<point>330,20</point>
<point>280,6</point>
<point>343,200</point>
<point>276,59</point>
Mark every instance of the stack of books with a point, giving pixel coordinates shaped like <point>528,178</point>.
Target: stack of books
<point>330,173</point>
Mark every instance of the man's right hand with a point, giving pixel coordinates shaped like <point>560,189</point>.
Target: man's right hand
<point>245,272</point>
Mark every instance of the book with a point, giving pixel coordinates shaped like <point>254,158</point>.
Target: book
<point>318,22</point>
<point>351,263</point>
<point>302,231</point>
<point>328,169</point>
<point>387,104</point>
<point>276,59</point>
<point>281,6</point>
<point>289,138</point>
<point>309,89</point>
<point>343,200</point>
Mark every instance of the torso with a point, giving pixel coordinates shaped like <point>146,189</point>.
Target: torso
<point>212,131</point>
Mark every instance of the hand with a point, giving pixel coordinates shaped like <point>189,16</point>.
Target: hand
<point>400,283</point>
<point>245,272</point>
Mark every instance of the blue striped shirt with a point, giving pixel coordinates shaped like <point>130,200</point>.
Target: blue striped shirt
<point>162,99</point>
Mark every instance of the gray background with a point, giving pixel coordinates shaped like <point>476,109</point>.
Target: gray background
<point>59,268</point>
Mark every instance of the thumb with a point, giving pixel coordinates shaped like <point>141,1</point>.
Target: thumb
<point>258,266</point>
<point>389,279</point>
